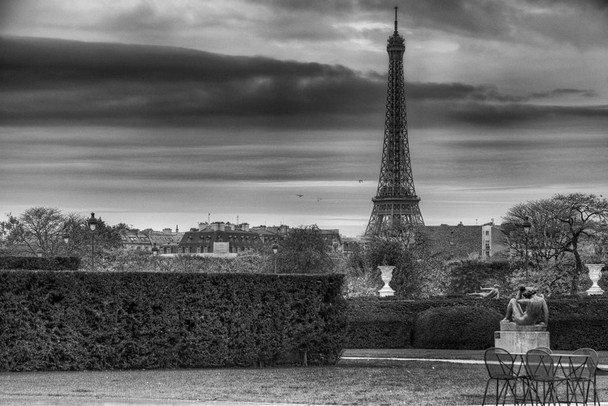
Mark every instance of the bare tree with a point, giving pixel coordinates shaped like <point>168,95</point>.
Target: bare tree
<point>38,231</point>
<point>41,231</point>
<point>562,226</point>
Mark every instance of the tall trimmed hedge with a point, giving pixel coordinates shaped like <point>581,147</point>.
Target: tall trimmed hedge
<point>75,321</point>
<point>31,263</point>
<point>574,322</point>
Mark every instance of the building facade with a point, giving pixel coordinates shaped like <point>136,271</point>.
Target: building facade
<point>494,242</point>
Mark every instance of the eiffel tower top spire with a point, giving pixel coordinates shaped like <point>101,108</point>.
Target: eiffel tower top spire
<point>396,19</point>
<point>396,41</point>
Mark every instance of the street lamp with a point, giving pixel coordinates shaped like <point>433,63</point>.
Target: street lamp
<point>275,249</point>
<point>92,226</point>
<point>155,256</point>
<point>527,226</point>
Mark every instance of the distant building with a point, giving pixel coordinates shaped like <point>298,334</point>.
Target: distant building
<point>494,242</point>
<point>166,240</point>
<point>133,239</point>
<point>219,238</point>
<point>269,235</point>
<point>454,242</point>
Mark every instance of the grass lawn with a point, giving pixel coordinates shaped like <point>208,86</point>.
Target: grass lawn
<point>389,383</point>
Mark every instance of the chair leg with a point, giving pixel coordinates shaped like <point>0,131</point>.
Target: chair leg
<point>526,391</point>
<point>483,402</point>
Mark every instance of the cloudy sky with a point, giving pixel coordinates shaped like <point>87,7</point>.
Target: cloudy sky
<point>159,113</point>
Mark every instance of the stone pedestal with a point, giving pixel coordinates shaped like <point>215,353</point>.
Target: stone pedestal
<point>520,339</point>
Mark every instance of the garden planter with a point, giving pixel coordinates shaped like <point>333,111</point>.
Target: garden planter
<point>387,275</point>
<point>595,273</point>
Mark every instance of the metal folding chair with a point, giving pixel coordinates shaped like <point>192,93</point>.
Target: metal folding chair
<point>589,373</point>
<point>501,369</point>
<point>542,373</point>
<point>600,372</point>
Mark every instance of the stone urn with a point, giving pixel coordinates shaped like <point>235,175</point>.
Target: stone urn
<point>595,273</point>
<point>387,275</point>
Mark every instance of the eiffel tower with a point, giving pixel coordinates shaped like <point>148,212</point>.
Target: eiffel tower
<point>396,202</point>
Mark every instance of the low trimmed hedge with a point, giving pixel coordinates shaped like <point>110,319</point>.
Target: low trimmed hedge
<point>33,263</point>
<point>394,323</point>
<point>456,327</point>
<point>93,320</point>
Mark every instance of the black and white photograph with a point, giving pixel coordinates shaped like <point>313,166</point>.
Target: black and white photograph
<point>303,202</point>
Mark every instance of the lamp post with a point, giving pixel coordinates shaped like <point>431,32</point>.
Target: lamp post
<point>527,226</point>
<point>155,255</point>
<point>275,249</point>
<point>92,226</point>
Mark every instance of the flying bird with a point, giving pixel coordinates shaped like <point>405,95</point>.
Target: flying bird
<point>299,195</point>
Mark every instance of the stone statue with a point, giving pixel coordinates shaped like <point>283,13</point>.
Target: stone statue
<point>490,293</point>
<point>535,305</point>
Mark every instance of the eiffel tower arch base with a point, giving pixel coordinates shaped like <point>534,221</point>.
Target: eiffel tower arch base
<point>390,214</point>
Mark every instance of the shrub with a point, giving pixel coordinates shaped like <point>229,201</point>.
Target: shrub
<point>102,320</point>
<point>458,327</point>
<point>33,263</point>
<point>379,323</point>
<point>578,322</point>
<point>574,322</point>
<point>138,260</point>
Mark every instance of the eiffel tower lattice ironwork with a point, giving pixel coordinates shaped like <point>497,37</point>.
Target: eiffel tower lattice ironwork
<point>396,202</point>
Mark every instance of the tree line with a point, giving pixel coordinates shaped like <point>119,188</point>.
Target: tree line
<point>565,232</point>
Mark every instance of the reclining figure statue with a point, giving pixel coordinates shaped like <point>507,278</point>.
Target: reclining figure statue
<point>535,305</point>
<point>490,293</point>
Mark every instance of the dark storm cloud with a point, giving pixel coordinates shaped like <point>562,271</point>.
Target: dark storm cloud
<point>583,24</point>
<point>504,115</point>
<point>47,81</point>
<point>565,92</point>
<point>458,91</point>
<point>435,103</point>
<point>580,23</point>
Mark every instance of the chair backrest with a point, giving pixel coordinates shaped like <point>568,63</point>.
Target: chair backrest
<point>499,363</point>
<point>539,364</point>
<point>546,349</point>
<point>590,363</point>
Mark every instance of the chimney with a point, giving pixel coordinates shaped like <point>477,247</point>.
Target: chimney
<point>218,226</point>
